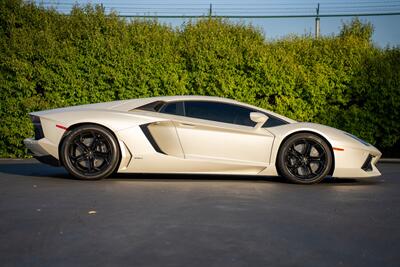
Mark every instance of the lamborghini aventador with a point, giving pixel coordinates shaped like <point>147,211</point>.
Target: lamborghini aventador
<point>194,134</point>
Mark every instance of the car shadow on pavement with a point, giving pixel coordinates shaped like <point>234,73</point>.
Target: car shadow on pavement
<point>238,178</point>
<point>38,170</point>
<point>33,169</point>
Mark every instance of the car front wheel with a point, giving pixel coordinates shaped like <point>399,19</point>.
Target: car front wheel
<point>304,158</point>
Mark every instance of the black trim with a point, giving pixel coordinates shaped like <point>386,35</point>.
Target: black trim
<point>37,127</point>
<point>159,106</point>
<point>48,159</point>
<point>153,106</point>
<point>367,166</point>
<point>271,122</point>
<point>38,131</point>
<point>151,138</point>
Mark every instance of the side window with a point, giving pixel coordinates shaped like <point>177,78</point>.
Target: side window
<point>242,117</point>
<point>153,106</point>
<point>221,112</point>
<point>207,110</point>
<point>272,121</point>
<point>174,108</point>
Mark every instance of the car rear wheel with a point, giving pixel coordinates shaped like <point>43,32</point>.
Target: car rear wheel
<point>304,158</point>
<point>90,152</point>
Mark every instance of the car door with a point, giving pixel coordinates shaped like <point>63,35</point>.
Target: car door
<point>223,132</point>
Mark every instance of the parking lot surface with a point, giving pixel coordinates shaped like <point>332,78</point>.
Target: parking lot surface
<point>49,219</point>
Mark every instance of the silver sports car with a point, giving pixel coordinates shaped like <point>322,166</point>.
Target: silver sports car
<point>194,134</point>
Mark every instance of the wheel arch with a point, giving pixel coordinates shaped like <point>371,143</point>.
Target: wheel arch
<point>310,132</point>
<point>74,126</point>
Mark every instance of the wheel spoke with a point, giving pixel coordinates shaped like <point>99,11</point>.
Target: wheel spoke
<point>90,166</point>
<point>292,151</point>
<point>294,169</point>
<point>81,145</point>
<point>307,148</point>
<point>315,160</point>
<point>79,158</point>
<point>102,155</point>
<point>95,141</point>
<point>297,164</point>
<point>309,170</point>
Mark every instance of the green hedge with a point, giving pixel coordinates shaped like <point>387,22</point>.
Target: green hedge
<point>49,60</point>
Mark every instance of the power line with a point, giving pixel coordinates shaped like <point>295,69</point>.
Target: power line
<point>263,16</point>
<point>248,9</point>
<point>268,5</point>
<point>152,9</point>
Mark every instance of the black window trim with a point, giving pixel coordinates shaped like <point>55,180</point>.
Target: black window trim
<point>154,106</point>
<point>242,106</point>
<point>183,107</point>
<point>234,104</point>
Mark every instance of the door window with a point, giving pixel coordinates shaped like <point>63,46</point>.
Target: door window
<point>221,112</point>
<point>174,108</point>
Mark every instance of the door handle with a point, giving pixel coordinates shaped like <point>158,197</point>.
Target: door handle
<point>188,125</point>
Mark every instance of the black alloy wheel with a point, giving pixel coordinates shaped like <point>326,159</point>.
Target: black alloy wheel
<point>90,152</point>
<point>304,158</point>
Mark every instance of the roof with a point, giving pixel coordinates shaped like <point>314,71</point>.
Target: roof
<point>127,105</point>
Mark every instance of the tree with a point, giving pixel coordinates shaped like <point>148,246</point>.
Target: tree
<point>357,28</point>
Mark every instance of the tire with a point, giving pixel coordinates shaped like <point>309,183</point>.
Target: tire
<point>90,152</point>
<point>304,158</point>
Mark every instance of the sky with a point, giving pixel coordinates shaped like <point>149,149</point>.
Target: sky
<point>387,28</point>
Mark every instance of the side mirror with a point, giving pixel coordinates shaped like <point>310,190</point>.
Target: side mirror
<point>259,118</point>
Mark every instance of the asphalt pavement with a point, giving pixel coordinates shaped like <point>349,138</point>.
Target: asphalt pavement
<point>49,219</point>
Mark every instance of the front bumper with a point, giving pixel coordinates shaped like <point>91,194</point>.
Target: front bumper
<point>39,148</point>
<point>357,162</point>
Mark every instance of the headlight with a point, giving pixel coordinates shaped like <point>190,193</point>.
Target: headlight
<point>358,139</point>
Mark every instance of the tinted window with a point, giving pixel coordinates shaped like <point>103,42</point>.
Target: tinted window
<point>169,108</point>
<point>272,121</point>
<point>175,108</point>
<point>221,112</point>
<point>153,106</point>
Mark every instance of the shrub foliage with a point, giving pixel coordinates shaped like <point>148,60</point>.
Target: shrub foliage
<point>50,60</point>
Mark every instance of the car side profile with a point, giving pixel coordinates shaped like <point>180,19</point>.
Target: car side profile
<point>194,134</point>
